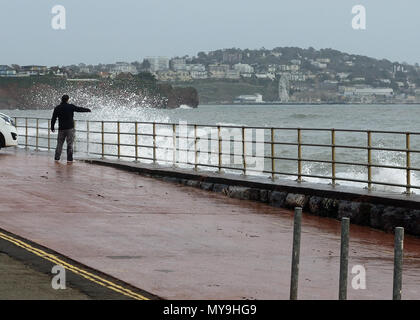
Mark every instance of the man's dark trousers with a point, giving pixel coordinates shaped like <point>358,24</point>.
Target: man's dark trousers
<point>63,135</point>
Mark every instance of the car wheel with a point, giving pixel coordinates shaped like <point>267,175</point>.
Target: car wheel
<point>2,141</point>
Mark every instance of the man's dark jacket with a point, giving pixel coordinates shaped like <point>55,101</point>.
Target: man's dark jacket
<point>65,113</point>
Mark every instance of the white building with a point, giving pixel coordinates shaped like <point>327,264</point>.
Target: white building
<point>319,65</point>
<point>363,92</point>
<point>343,75</point>
<point>218,71</point>
<point>243,68</point>
<point>158,63</point>
<point>286,67</point>
<point>297,77</point>
<point>196,67</point>
<point>275,53</point>
<point>323,60</point>
<point>255,98</point>
<point>84,69</point>
<point>270,76</point>
<point>6,71</point>
<point>387,81</point>
<point>178,64</point>
<point>124,67</point>
<point>34,70</point>
<point>232,74</point>
<point>198,74</point>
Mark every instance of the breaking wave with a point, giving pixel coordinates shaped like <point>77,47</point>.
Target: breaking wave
<point>119,105</point>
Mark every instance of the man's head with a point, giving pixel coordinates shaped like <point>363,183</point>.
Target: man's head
<point>65,98</point>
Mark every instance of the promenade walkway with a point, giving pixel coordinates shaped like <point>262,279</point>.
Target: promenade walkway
<point>179,242</point>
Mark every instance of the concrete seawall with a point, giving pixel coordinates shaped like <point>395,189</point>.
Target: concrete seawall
<point>379,210</point>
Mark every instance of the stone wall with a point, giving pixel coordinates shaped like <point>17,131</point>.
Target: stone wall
<point>379,211</point>
<point>377,216</point>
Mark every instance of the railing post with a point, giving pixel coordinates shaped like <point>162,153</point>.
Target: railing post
<point>273,164</point>
<point>174,144</point>
<point>195,148</point>
<point>119,139</point>
<point>369,138</point>
<point>344,258</point>
<point>408,163</point>
<point>26,132</point>
<point>75,138</point>
<point>136,132</point>
<point>333,157</point>
<point>154,142</point>
<point>296,254</point>
<point>220,149</point>
<point>243,150</point>
<point>103,139</point>
<point>16,124</point>
<point>88,137</point>
<point>49,134</point>
<point>398,263</point>
<point>37,134</point>
<point>299,141</point>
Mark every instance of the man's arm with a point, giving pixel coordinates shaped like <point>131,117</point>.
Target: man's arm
<point>81,109</point>
<point>53,120</point>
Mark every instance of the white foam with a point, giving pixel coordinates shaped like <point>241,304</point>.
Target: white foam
<point>184,106</point>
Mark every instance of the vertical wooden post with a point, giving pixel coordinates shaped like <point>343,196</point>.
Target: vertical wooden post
<point>398,263</point>
<point>296,254</point>
<point>344,258</point>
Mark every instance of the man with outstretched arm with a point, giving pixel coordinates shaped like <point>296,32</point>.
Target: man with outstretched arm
<point>65,113</point>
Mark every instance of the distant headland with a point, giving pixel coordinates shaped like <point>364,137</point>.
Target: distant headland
<point>283,74</point>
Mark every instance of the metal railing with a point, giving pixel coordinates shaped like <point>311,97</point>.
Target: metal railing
<point>145,141</point>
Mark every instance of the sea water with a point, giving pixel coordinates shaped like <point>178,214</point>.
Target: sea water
<point>401,118</point>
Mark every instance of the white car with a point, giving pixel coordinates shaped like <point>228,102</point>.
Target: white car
<point>8,132</point>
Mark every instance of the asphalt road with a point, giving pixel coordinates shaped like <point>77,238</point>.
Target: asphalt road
<point>179,242</point>
<point>19,281</point>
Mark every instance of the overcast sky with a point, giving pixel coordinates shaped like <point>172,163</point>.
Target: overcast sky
<point>105,31</point>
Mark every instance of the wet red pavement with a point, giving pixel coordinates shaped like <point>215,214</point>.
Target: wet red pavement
<point>180,242</point>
